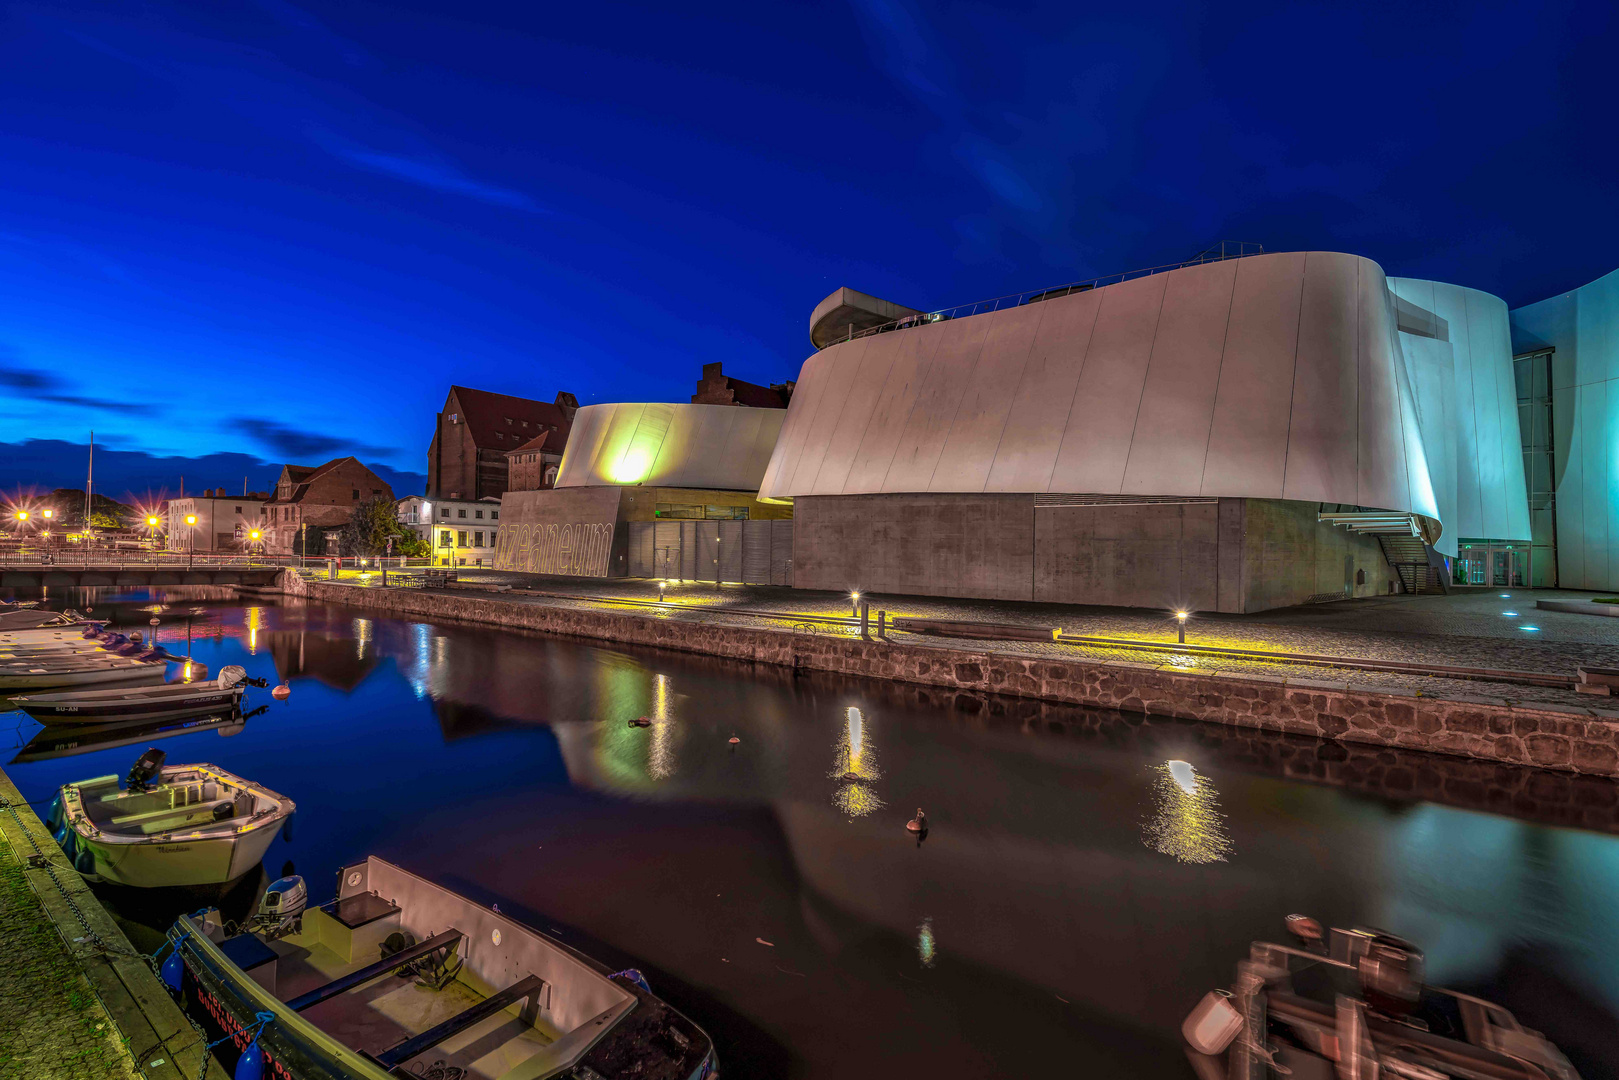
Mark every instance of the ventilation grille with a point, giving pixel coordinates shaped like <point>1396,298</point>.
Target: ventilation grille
<point>1119,500</point>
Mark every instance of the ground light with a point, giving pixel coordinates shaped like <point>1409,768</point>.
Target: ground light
<point>1506,596</point>
<point>1180,620</point>
<point>1528,628</point>
<point>1509,613</point>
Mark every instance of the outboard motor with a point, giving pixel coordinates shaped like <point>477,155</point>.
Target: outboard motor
<point>230,675</point>
<point>147,767</point>
<point>281,910</point>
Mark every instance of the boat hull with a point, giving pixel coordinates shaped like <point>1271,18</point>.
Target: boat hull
<point>64,713</point>
<point>36,680</point>
<point>178,861</point>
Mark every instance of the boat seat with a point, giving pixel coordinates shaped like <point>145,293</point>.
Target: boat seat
<point>401,1052</point>
<point>167,819</point>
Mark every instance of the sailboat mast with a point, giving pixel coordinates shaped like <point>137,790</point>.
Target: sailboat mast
<point>89,483</point>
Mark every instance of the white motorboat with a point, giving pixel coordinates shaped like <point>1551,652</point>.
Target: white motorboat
<point>168,825</point>
<point>72,669</point>
<point>399,977</point>
<point>30,619</point>
<point>60,630</point>
<point>139,702</point>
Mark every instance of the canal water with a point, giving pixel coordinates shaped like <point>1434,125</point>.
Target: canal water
<point>1073,898</point>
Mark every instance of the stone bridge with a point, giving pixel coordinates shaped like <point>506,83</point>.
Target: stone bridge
<point>21,575</point>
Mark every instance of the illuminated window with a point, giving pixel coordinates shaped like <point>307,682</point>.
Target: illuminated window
<point>461,539</point>
<point>477,539</point>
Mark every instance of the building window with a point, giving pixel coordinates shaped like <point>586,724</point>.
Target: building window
<point>460,539</point>
<point>238,509</point>
<point>444,538</point>
<point>461,512</point>
<point>356,493</point>
<point>444,511</point>
<point>478,514</point>
<point>376,491</point>
<point>508,421</point>
<point>455,418</point>
<point>477,539</point>
<point>494,515</point>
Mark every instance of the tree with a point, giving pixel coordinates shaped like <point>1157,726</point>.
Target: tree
<point>372,524</point>
<point>105,513</point>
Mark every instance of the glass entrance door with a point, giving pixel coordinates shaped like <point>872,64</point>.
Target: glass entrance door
<point>1504,566</point>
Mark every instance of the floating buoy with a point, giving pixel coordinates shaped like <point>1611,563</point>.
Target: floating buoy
<point>282,692</point>
<point>919,823</point>
<point>735,740</point>
<point>640,721</point>
<point>88,609</point>
<point>850,777</point>
<point>153,621</point>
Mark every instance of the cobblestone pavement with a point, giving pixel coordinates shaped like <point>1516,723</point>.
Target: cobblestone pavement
<point>1469,628</point>
<point>51,1022</point>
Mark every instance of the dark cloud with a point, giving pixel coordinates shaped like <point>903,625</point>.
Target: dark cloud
<point>37,385</point>
<point>41,465</point>
<point>292,443</point>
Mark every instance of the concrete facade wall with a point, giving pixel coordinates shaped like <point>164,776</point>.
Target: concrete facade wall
<point>569,531</point>
<point>1583,327</point>
<point>1209,555</point>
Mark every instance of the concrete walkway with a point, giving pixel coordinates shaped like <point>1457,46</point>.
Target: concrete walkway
<point>1469,628</point>
<point>76,1001</point>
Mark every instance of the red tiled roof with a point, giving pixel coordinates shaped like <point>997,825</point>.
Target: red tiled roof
<point>554,441</point>
<point>485,415</point>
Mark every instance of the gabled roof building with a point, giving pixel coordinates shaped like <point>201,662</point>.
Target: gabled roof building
<point>477,430</point>
<point>319,497</point>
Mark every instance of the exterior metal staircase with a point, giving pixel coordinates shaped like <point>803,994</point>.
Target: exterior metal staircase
<point>1400,537</point>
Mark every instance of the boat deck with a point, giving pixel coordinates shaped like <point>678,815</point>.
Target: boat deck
<point>379,1014</point>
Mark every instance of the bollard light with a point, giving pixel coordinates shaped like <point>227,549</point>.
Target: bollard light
<point>1180,625</point>
<point>854,603</point>
<point>661,584</point>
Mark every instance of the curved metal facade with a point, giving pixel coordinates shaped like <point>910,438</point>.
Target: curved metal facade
<point>725,447</point>
<point>1271,376</point>
<point>1460,363</point>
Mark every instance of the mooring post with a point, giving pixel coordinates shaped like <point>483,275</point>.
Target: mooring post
<point>882,625</point>
<point>865,620</point>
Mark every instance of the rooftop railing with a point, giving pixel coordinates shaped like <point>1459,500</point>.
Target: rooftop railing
<point>1225,249</point>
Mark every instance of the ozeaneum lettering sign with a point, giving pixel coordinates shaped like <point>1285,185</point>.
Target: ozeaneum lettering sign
<point>581,550</point>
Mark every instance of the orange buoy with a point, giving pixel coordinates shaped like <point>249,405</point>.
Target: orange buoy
<point>735,740</point>
<point>153,621</point>
<point>919,823</point>
<point>282,692</point>
<point>641,722</point>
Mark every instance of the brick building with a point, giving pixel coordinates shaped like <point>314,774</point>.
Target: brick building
<point>718,388</point>
<point>476,432</point>
<point>319,498</point>
<point>533,466</point>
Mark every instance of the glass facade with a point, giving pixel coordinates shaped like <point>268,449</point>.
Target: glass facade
<point>1534,378</point>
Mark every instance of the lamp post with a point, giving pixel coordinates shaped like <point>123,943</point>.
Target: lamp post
<point>254,541</point>
<point>303,544</point>
<point>151,530</point>
<point>854,604</point>
<point>449,550</point>
<point>191,539</point>
<point>1180,626</point>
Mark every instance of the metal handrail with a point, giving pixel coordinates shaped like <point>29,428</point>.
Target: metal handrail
<point>1225,249</point>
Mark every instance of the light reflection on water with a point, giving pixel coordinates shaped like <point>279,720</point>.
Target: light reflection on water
<point>506,764</point>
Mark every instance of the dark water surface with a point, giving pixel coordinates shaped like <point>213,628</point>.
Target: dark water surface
<point>1069,905</point>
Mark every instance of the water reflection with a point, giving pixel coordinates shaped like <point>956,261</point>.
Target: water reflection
<point>1186,823</point>
<point>505,763</point>
<point>926,948</point>
<point>855,767</point>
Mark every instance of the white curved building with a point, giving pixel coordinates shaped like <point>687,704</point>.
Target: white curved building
<point>1167,440</point>
<point>669,445</point>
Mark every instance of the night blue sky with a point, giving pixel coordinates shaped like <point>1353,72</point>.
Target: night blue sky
<point>281,230</point>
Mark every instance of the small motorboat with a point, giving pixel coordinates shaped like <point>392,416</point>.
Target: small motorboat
<point>139,702</point>
<point>167,824</point>
<point>30,619</point>
<point>401,977</point>
<point>73,669</point>
<point>51,633</point>
<point>1355,1007</point>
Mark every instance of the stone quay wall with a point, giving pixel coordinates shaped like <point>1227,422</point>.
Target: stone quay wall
<point>1549,736</point>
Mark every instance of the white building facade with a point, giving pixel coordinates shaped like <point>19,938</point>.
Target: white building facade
<point>461,532</point>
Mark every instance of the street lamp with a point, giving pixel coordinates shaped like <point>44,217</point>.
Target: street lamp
<point>191,539</point>
<point>449,550</point>
<point>1180,625</point>
<point>253,540</point>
